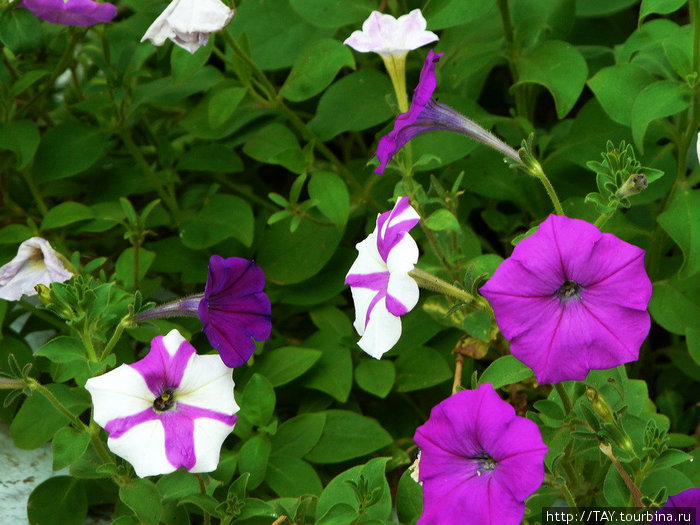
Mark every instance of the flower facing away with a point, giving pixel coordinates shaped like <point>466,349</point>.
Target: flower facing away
<point>171,409</point>
<point>381,287</point>
<point>678,507</point>
<point>386,35</point>
<point>233,309</point>
<point>479,461</point>
<point>72,12</point>
<point>188,23</point>
<point>36,263</point>
<point>571,299</point>
<point>426,114</point>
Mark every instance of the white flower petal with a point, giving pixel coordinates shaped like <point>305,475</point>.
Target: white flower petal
<point>172,342</point>
<point>386,35</point>
<point>401,260</point>
<point>697,146</point>
<point>382,332</point>
<point>209,435</point>
<point>208,383</point>
<point>144,447</point>
<point>119,393</point>
<point>368,258</point>
<point>362,297</point>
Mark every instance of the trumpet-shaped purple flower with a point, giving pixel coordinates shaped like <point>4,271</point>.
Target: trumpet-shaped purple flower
<point>72,12</point>
<point>385,35</point>
<point>479,461</point>
<point>571,299</point>
<point>233,309</point>
<point>426,114</point>
<point>381,287</point>
<point>36,263</point>
<point>679,507</point>
<point>171,409</point>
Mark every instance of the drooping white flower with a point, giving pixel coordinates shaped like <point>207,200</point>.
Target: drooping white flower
<point>171,409</point>
<point>188,23</point>
<point>36,263</point>
<point>385,35</point>
<point>381,287</point>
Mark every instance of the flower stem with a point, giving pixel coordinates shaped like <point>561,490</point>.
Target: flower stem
<point>564,396</point>
<point>603,218</point>
<point>459,366</point>
<point>635,493</point>
<point>7,383</point>
<point>115,337</point>
<point>569,497</point>
<point>35,385</point>
<point>63,327</point>
<point>87,342</point>
<point>396,67</point>
<point>431,282</point>
<point>203,490</point>
<point>537,172</point>
<point>184,307</point>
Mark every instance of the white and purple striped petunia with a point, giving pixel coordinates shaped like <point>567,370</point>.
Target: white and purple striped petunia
<point>171,409</point>
<point>381,287</point>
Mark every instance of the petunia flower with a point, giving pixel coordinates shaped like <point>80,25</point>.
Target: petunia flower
<point>171,409</point>
<point>233,308</point>
<point>71,12</point>
<point>385,35</point>
<point>571,299</point>
<point>188,23</point>
<point>679,507</point>
<point>426,114</point>
<point>381,287</point>
<point>36,263</point>
<point>479,461</point>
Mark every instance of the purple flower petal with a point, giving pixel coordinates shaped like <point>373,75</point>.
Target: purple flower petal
<point>677,508</point>
<point>164,365</point>
<point>71,12</point>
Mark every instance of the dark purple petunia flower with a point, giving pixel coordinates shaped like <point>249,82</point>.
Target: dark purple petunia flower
<point>71,12</point>
<point>426,114</point>
<point>479,461</point>
<point>678,508</point>
<point>571,299</point>
<point>233,309</point>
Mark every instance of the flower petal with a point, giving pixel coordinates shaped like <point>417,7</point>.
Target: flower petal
<point>144,447</point>
<point>385,35</point>
<point>209,436</point>
<point>119,393</point>
<point>165,363</point>
<point>382,331</point>
<point>72,12</point>
<point>208,383</point>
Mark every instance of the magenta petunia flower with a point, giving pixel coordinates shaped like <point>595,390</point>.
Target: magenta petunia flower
<point>381,287</point>
<point>426,114</point>
<point>571,299</point>
<point>233,309</point>
<point>679,508</point>
<point>72,12</point>
<point>479,461</point>
<point>171,409</point>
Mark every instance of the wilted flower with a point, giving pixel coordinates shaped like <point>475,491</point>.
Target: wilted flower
<point>479,461</point>
<point>171,409</point>
<point>36,263</point>
<point>381,287</point>
<point>386,35</point>
<point>677,508</point>
<point>426,114</point>
<point>571,299</point>
<point>71,12</point>
<point>233,308</point>
<point>188,23</point>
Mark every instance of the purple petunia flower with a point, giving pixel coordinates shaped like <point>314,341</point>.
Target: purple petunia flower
<point>426,114</point>
<point>381,287</point>
<point>171,409</point>
<point>571,299</point>
<point>679,508</point>
<point>72,12</point>
<point>479,461</point>
<point>233,309</point>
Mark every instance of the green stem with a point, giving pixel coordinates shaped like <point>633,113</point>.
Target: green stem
<point>36,194</point>
<point>87,342</point>
<point>564,396</point>
<point>63,327</point>
<point>431,282</point>
<point>537,172</point>
<point>569,497</point>
<point>35,385</point>
<point>98,444</point>
<point>203,490</point>
<point>7,383</point>
<point>520,98</point>
<point>396,67</point>
<point>115,337</point>
<point>604,217</point>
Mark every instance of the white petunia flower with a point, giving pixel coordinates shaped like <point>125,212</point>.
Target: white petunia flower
<point>381,287</point>
<point>171,409</point>
<point>188,23</point>
<point>386,35</point>
<point>36,263</point>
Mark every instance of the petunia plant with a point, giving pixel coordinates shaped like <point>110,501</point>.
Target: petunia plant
<point>309,262</point>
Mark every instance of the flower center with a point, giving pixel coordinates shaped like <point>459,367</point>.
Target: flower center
<point>569,290</point>
<point>485,463</point>
<point>165,401</point>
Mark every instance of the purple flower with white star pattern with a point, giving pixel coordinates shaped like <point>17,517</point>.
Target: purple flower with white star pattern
<point>381,287</point>
<point>571,299</point>
<point>171,409</point>
<point>71,12</point>
<point>479,461</point>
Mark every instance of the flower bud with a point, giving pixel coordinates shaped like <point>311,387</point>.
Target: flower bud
<point>599,404</point>
<point>636,183</point>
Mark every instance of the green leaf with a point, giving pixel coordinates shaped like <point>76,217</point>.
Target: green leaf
<point>63,349</point>
<point>142,496</point>
<point>20,136</point>
<point>222,217</point>
<point>215,158</point>
<point>420,367</point>
<point>681,220</point>
<point>478,324</point>
<point>223,103</point>
<point>616,88</point>
<point>661,7</point>
<point>331,194</point>
<point>276,144</point>
<point>354,103</point>
<point>675,304</point>
<point>258,400</point>
<point>598,8</point>
<point>14,233</point>
<point>348,435</point>
<point>559,67</point>
<point>56,157</point>
<point>58,501</point>
<point>692,339</point>
<point>504,371</point>
<point>409,498</point>
<point>375,377</point>
<point>443,220</point>
<point>315,69</point>
<point>184,65</point>
<point>282,365</point>
<point>253,458</point>
<point>67,446</point>
<point>20,30</point>
<point>298,435</point>
<point>333,13</point>
<point>292,477</point>
<point>658,100</point>
<point>125,267</point>
<point>177,485</point>
<point>332,373</point>
<point>441,14</point>
<point>66,213</point>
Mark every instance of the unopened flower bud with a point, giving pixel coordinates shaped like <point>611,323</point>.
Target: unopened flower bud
<point>636,183</point>
<point>599,404</point>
